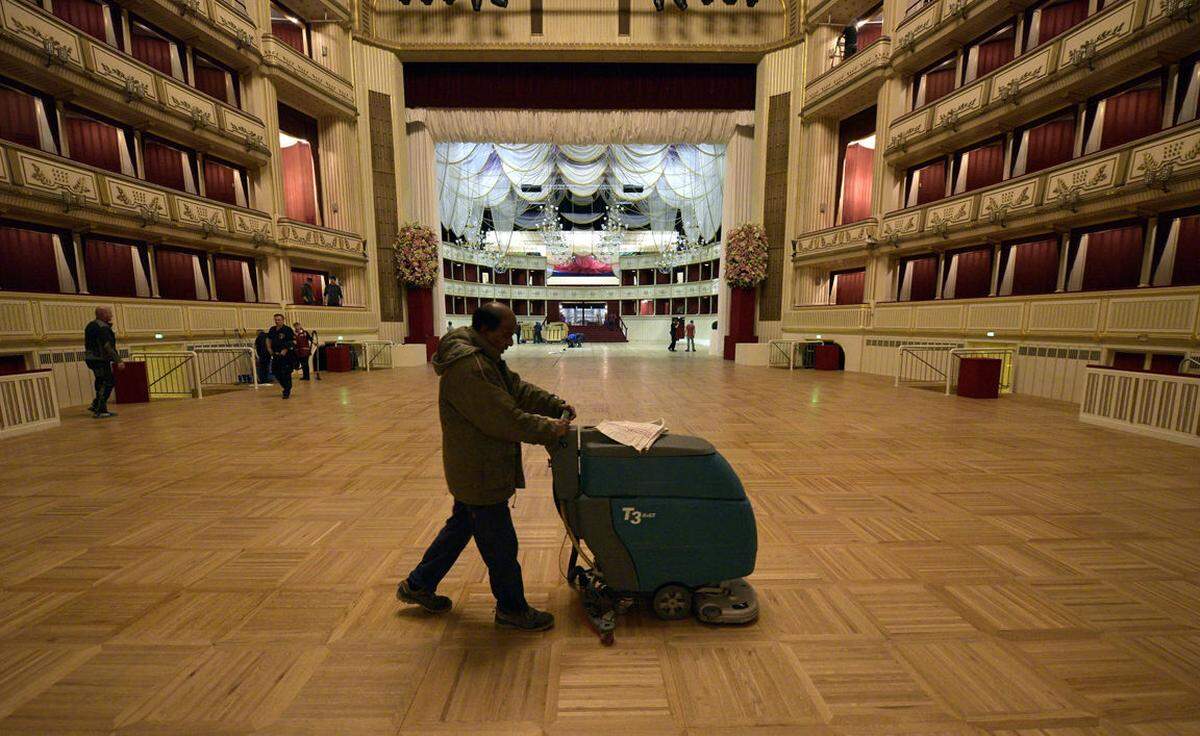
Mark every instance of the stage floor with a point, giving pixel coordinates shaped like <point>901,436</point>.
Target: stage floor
<point>927,565</point>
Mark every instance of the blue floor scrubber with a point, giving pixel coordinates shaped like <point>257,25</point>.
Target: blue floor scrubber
<point>671,526</point>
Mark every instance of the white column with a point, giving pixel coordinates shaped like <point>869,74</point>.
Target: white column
<point>1064,245</point>
<point>1148,249</point>
<point>995,270</point>
<point>77,245</point>
<point>212,277</point>
<point>940,277</point>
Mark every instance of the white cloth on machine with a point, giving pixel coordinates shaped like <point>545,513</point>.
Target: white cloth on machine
<point>638,435</point>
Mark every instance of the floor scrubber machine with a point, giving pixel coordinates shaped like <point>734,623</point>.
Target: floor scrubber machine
<point>671,525</point>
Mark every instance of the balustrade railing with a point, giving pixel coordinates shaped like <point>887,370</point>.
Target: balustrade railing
<point>171,374</point>
<point>28,402</point>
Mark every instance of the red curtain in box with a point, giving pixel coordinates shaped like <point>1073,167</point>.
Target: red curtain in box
<point>27,260</point>
<point>646,307</point>
<point>176,274</point>
<point>12,364</point>
<point>1114,259</point>
<point>850,287</point>
<point>924,278</point>
<point>552,313</point>
<point>856,183</point>
<point>1129,361</point>
<point>869,34</point>
<point>627,277</point>
<point>219,182</point>
<point>212,81</point>
<point>1036,269</point>
<point>520,277</point>
<point>85,15</point>
<point>472,273</point>
<point>318,286</point>
<point>151,50</point>
<point>163,164</point>
<point>1187,253</point>
<point>1165,363</point>
<point>1131,115</point>
<point>288,32</point>
<point>1057,19</point>
<point>973,274</point>
<point>1049,144</point>
<point>109,268</point>
<point>938,84</point>
<point>299,183</point>
<point>228,274</point>
<point>93,142</point>
<point>932,183</point>
<point>986,166</point>
<point>18,118</point>
<point>993,55</point>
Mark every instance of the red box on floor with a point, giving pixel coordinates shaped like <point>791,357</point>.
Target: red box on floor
<point>979,378</point>
<point>337,358</point>
<point>827,358</point>
<point>133,385</point>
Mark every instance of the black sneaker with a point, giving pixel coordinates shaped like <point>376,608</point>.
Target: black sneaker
<point>429,601</point>
<point>287,394</point>
<point>104,414</point>
<point>529,620</point>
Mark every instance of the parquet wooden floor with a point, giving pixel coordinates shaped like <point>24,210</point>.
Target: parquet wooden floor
<point>927,565</point>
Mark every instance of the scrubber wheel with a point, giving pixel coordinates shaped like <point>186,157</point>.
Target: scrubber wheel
<point>672,602</point>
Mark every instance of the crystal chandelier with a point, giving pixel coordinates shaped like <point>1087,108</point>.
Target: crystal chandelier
<point>608,250</point>
<point>558,250</point>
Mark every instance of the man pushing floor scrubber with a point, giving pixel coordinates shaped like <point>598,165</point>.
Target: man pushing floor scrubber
<point>671,524</point>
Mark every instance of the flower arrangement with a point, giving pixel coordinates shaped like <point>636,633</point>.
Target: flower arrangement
<point>746,256</point>
<point>416,256</point>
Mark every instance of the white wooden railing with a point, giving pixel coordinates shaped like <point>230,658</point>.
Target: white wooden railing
<point>923,365</point>
<point>231,365</point>
<point>172,374</point>
<point>373,354</point>
<point>1156,404</point>
<point>791,352</point>
<point>28,402</point>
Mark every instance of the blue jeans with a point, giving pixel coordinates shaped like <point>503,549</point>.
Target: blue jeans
<point>492,528</point>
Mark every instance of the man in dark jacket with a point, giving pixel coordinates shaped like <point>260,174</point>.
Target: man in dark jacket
<point>283,354</point>
<point>100,344</point>
<point>487,411</point>
<point>262,356</point>
<point>333,293</point>
<point>306,291</point>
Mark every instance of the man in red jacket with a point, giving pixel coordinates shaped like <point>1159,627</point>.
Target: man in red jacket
<point>691,336</point>
<point>303,349</point>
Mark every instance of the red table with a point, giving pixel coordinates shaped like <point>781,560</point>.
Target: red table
<point>979,378</point>
<point>827,358</point>
<point>133,385</point>
<point>337,358</point>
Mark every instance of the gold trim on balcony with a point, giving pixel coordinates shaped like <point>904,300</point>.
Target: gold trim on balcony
<point>1106,49</point>
<point>1155,173</point>
<point>852,83</point>
<point>929,34</point>
<point>299,77</point>
<point>231,34</point>
<point>835,241</point>
<point>52,189</point>
<point>63,59</point>
<point>323,241</point>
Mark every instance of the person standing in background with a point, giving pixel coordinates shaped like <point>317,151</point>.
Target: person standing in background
<point>674,336</point>
<point>691,336</point>
<point>306,291</point>
<point>303,349</point>
<point>333,293</point>
<point>100,344</point>
<point>283,354</point>
<point>262,355</point>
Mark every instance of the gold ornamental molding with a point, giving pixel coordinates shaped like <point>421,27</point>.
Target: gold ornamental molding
<point>304,78</point>
<point>863,71</point>
<point>320,240</point>
<point>852,239</point>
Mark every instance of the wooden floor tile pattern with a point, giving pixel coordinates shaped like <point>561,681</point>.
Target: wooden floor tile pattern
<point>927,565</point>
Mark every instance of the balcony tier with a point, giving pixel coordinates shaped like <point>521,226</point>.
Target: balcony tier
<point>850,85</point>
<point>325,242</point>
<point>505,291</point>
<point>305,83</point>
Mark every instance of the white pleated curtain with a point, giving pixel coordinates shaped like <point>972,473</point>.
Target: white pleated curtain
<point>654,180</point>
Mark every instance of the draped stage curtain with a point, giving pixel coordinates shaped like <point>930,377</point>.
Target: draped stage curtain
<point>111,270</point>
<point>299,181</point>
<point>1179,263</point>
<point>92,18</point>
<point>869,33</point>
<point>31,260</point>
<point>167,166</point>
<point>148,47</point>
<point>176,274</point>
<point>980,167</point>
<point>224,183</point>
<point>1054,19</point>
<point>98,144</point>
<point>230,273</point>
<point>969,274</point>
<point>213,81</point>
<point>1130,115</point>
<point>849,287</point>
<point>857,176</point>
<point>1046,145</point>
<point>920,279</point>
<point>927,183</point>
<point>1108,259</point>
